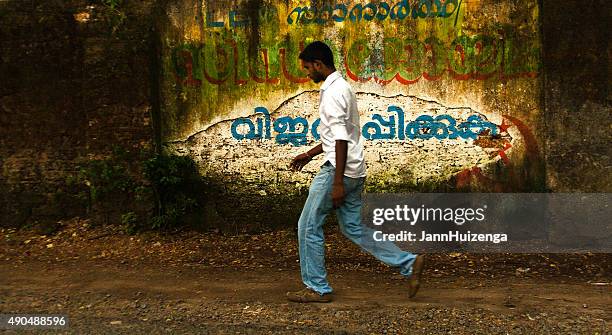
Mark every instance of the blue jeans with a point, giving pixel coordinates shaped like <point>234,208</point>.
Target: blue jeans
<point>310,230</point>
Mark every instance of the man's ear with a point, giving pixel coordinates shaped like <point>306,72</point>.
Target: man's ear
<point>318,65</point>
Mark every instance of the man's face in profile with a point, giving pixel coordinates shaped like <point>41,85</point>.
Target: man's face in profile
<point>314,70</point>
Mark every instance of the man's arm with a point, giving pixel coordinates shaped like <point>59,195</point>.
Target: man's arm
<point>338,187</point>
<point>302,159</point>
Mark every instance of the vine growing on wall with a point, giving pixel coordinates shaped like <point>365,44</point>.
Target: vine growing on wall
<point>115,14</point>
<point>113,4</point>
<point>157,191</point>
<point>176,184</point>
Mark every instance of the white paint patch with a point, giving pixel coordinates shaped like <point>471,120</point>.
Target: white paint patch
<point>264,163</point>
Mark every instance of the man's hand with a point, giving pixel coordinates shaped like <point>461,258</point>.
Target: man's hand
<point>300,161</point>
<point>337,195</point>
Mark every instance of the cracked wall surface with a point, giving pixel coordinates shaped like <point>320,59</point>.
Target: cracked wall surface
<point>227,63</point>
<point>263,162</point>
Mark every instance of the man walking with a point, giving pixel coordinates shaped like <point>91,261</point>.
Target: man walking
<point>339,183</point>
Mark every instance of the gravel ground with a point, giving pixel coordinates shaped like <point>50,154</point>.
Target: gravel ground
<point>211,283</point>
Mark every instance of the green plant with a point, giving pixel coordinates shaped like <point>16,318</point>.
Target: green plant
<point>176,185</point>
<point>129,181</point>
<point>129,221</point>
<point>103,183</point>
<point>115,15</point>
<point>104,178</point>
<point>101,179</point>
<point>112,4</point>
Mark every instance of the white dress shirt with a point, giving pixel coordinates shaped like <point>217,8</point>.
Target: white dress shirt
<point>340,121</point>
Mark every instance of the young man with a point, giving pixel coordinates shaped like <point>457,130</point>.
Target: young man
<point>339,183</point>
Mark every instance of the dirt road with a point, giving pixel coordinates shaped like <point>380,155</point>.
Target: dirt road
<point>217,284</point>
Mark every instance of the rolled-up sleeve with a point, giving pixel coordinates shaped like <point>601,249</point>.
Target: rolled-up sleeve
<point>335,107</point>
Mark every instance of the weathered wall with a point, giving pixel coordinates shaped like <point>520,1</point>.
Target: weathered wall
<point>536,74</point>
<point>454,86</point>
<point>70,90</point>
<point>578,109</point>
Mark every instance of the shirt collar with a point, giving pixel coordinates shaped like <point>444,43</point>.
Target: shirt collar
<point>330,79</point>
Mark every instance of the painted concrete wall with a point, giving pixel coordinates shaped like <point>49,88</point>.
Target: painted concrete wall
<point>71,90</point>
<point>448,91</point>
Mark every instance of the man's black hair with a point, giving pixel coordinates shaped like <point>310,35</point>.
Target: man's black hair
<point>318,51</point>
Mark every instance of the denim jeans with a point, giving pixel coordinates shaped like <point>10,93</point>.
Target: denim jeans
<point>310,230</point>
